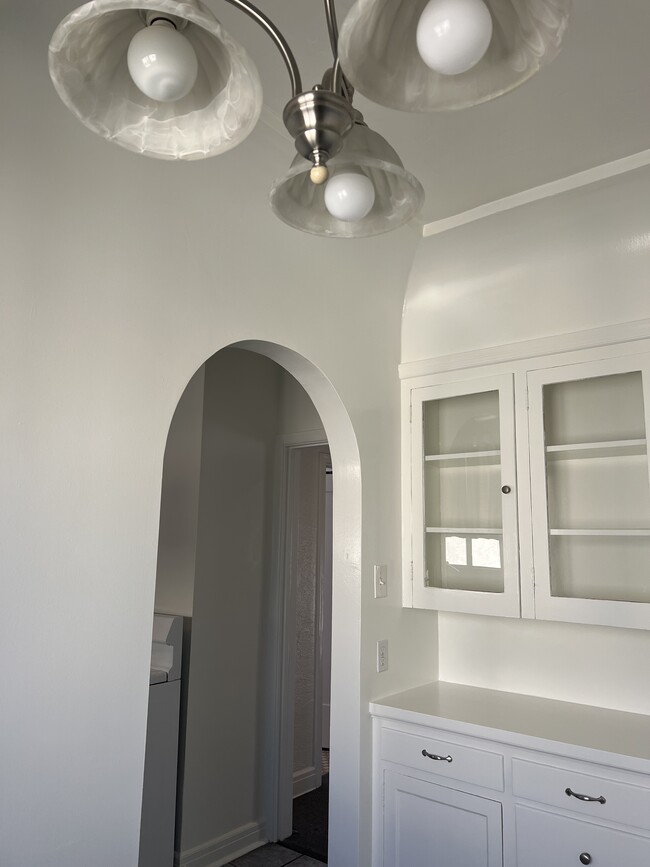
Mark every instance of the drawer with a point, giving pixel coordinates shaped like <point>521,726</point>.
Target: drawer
<point>624,802</point>
<point>545,839</point>
<point>456,762</point>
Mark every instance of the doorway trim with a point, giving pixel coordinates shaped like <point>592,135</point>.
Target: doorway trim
<point>346,713</point>
<point>281,642</point>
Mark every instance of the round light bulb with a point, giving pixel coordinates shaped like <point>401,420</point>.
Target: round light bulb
<point>162,63</point>
<point>349,196</point>
<point>453,35</point>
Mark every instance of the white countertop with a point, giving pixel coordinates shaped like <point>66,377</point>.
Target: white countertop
<point>488,713</point>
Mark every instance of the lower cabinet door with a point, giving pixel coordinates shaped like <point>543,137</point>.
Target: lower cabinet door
<point>548,840</point>
<point>427,825</point>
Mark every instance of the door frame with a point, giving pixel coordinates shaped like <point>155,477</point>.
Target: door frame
<point>281,638</point>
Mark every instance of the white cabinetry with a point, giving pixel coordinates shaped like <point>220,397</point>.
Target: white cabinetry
<point>590,491</point>
<point>427,825</point>
<point>451,789</point>
<point>527,488</point>
<point>463,495</point>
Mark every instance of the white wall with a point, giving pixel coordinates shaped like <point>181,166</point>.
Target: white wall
<point>576,261</point>
<point>120,277</point>
<point>225,721</point>
<point>179,503</point>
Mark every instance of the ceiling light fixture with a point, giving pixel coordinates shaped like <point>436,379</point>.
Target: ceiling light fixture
<point>378,38</point>
<point>164,79</point>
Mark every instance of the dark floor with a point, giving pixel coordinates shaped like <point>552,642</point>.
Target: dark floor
<point>309,832</point>
<point>310,823</point>
<point>274,855</point>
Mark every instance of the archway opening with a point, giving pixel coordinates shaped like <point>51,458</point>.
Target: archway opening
<point>218,531</point>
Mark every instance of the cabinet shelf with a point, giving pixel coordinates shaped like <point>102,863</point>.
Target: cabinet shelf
<point>469,531</point>
<point>563,532</point>
<point>492,456</point>
<point>608,449</point>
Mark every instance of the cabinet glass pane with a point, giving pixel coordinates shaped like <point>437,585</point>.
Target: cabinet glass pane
<point>598,488</point>
<point>464,561</point>
<point>462,493</point>
<point>466,423</point>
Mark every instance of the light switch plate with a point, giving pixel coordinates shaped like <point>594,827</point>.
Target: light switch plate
<point>381,581</point>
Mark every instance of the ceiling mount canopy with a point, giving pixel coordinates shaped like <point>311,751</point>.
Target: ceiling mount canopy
<point>383,43</point>
<point>164,79</point>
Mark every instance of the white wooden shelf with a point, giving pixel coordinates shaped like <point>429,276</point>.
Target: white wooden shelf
<point>465,456</point>
<point>563,532</point>
<point>468,531</point>
<point>608,449</point>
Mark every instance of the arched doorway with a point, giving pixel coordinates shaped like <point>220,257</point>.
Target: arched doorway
<point>345,673</point>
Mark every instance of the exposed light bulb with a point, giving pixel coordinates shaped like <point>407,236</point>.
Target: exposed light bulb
<point>453,35</point>
<point>162,63</point>
<point>349,196</point>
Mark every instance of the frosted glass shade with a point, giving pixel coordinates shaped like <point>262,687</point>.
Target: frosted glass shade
<point>379,53</point>
<point>398,194</point>
<point>88,65</point>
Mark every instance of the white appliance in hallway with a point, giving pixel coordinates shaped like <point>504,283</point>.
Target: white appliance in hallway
<point>161,755</point>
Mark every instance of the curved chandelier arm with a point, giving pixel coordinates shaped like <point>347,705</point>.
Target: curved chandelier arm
<point>281,43</point>
<point>332,27</point>
<point>339,81</point>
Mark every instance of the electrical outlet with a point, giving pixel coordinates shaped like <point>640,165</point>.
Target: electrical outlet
<point>382,655</point>
<point>381,581</point>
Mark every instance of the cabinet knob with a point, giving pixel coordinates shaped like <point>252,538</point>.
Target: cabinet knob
<point>585,858</point>
<point>506,489</point>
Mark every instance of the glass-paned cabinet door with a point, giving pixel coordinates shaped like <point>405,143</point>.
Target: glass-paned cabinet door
<point>591,491</point>
<point>463,497</point>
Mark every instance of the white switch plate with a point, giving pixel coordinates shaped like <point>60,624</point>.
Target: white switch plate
<point>382,655</point>
<point>381,581</point>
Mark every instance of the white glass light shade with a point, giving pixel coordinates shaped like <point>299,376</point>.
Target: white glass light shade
<point>162,62</point>
<point>398,196</point>
<point>349,196</point>
<point>453,35</point>
<point>88,65</point>
<point>378,50</point>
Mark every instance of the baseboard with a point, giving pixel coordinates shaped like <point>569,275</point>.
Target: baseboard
<point>304,781</point>
<point>222,850</point>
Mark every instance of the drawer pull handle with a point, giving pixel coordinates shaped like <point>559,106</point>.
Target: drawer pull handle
<point>572,794</point>
<point>585,858</point>
<point>437,758</point>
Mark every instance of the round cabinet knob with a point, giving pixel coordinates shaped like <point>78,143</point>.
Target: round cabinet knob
<point>506,489</point>
<point>585,858</point>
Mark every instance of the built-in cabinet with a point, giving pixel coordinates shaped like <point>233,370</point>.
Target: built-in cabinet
<point>452,788</point>
<point>527,488</point>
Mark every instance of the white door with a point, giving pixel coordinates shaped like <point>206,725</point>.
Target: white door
<point>591,491</point>
<point>426,825</point>
<point>463,497</point>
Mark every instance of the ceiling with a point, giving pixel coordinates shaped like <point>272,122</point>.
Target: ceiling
<point>590,106</point>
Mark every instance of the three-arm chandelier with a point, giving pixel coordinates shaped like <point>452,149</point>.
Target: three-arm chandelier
<point>164,79</point>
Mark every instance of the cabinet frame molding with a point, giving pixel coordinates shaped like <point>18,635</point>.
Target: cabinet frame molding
<point>603,612</point>
<point>520,362</point>
<point>506,603</point>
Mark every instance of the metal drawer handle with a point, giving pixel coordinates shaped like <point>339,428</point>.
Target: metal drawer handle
<point>437,758</point>
<point>572,794</point>
<point>585,858</point>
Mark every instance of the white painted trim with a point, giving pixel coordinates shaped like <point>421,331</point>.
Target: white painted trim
<point>281,788</point>
<point>222,850</point>
<point>349,818</point>
<point>623,332</point>
<point>535,194</point>
<point>305,780</point>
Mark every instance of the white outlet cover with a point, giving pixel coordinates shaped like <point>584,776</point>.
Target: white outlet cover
<point>382,655</point>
